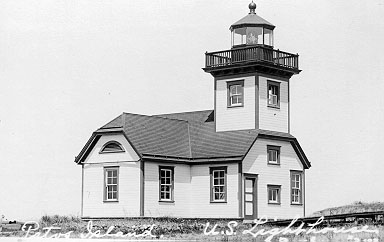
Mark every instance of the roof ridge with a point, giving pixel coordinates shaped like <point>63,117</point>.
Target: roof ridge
<point>206,110</point>
<point>153,116</point>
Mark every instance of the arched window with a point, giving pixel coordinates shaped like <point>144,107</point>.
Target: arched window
<point>111,147</point>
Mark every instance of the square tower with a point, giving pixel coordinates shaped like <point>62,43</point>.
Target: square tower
<point>252,78</point>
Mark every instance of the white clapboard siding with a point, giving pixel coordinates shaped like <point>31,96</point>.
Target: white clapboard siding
<point>182,191</point>
<point>256,163</point>
<point>275,119</point>
<point>129,154</point>
<point>128,193</point>
<point>201,205</point>
<point>235,118</point>
<point>129,180</point>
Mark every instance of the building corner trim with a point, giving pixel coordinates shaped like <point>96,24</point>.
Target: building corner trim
<point>240,188</point>
<point>141,188</point>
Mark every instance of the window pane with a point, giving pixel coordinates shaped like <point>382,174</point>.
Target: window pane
<point>248,185</point>
<point>268,37</point>
<point>218,185</point>
<point>248,209</point>
<point>249,197</point>
<point>254,35</point>
<point>112,147</point>
<point>218,189</point>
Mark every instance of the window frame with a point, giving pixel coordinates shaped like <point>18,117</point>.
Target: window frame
<point>278,150</point>
<point>278,198</point>
<point>300,189</point>
<point>275,84</point>
<point>235,83</point>
<point>212,171</point>
<point>102,151</point>
<point>106,184</point>
<point>172,185</point>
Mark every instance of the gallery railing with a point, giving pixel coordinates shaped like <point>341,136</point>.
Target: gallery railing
<point>251,54</point>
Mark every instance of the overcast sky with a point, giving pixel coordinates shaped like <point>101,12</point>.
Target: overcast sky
<point>69,66</point>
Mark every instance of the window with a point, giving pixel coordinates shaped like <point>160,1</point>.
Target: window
<point>111,147</point>
<point>296,187</point>
<point>235,94</point>
<point>166,183</point>
<point>274,194</point>
<point>273,94</point>
<point>218,184</point>
<point>273,154</point>
<point>111,183</point>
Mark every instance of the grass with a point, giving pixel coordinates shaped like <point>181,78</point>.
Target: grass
<point>355,207</point>
<point>187,229</point>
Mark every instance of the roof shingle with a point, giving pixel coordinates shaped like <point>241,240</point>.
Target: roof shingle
<point>185,135</point>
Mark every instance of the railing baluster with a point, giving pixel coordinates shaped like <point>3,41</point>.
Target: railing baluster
<point>255,53</point>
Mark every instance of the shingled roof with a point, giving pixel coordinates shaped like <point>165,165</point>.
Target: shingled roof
<point>188,135</point>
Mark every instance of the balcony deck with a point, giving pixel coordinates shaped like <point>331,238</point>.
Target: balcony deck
<point>252,55</point>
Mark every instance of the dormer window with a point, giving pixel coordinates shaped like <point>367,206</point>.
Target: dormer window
<point>236,94</point>
<point>112,147</point>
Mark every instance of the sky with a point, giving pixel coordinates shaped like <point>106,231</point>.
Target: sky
<point>67,67</point>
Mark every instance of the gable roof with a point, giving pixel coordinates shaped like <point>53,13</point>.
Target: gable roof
<point>188,136</point>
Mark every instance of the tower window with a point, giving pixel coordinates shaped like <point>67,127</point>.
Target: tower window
<point>236,94</point>
<point>273,94</point>
<point>112,147</point>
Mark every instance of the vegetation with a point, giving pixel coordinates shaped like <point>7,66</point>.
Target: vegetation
<point>356,207</point>
<point>187,229</point>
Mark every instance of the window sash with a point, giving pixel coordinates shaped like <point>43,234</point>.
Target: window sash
<point>273,154</point>
<point>272,99</point>
<point>112,147</point>
<point>218,185</point>
<point>235,94</point>
<point>296,186</point>
<point>273,94</point>
<point>111,184</point>
<point>166,184</point>
<point>273,194</point>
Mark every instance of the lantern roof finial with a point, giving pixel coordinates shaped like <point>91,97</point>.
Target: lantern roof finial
<point>252,7</point>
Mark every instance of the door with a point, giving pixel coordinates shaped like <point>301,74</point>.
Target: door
<point>250,198</point>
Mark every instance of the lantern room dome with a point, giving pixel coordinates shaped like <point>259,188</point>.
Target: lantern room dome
<point>252,29</point>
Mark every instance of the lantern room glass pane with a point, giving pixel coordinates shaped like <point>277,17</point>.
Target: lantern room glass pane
<point>254,35</point>
<point>268,37</point>
<point>238,36</point>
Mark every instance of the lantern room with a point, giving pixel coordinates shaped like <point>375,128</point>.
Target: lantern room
<point>252,30</point>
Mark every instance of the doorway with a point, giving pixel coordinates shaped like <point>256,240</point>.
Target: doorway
<point>250,197</point>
